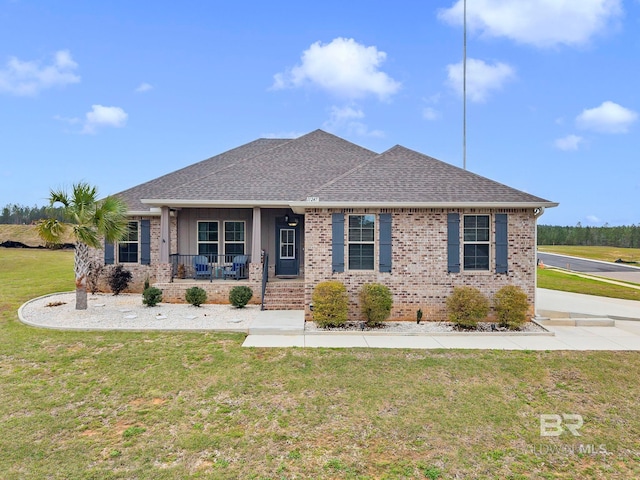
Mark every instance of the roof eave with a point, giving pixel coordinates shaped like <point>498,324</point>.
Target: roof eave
<point>300,207</point>
<point>178,203</point>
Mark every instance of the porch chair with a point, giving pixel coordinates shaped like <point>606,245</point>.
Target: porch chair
<point>201,267</point>
<point>238,268</point>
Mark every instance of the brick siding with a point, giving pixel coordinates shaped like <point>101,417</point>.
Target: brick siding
<point>419,277</point>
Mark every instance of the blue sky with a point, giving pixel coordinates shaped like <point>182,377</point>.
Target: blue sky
<point>116,93</point>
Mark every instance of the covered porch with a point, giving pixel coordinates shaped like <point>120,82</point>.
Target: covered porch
<point>212,243</point>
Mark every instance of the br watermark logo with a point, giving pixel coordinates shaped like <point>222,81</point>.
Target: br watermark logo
<point>554,425</point>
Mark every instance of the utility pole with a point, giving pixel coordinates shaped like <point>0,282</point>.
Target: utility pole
<point>464,87</point>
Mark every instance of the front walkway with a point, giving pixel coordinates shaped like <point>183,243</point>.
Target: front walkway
<point>624,336</point>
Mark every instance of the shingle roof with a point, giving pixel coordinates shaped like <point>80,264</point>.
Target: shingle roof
<point>322,165</point>
<point>284,173</point>
<point>158,187</point>
<point>403,175</point>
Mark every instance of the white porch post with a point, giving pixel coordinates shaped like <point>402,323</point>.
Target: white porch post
<point>165,234</point>
<point>256,240</point>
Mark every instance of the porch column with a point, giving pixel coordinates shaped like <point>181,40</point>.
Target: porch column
<point>165,234</point>
<point>256,240</point>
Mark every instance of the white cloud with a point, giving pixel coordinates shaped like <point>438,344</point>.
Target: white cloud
<point>542,23</point>
<point>101,116</point>
<point>144,87</point>
<point>430,114</point>
<point>570,142</point>
<point>343,67</point>
<point>593,219</point>
<point>607,118</point>
<point>348,119</point>
<point>482,78</point>
<point>29,78</point>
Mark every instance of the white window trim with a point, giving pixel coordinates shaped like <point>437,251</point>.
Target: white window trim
<point>293,257</point>
<point>137,242</point>
<point>487,242</point>
<point>224,240</point>
<point>198,242</point>
<point>373,242</point>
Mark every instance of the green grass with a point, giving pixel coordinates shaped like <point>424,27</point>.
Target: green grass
<point>115,405</point>
<point>566,282</point>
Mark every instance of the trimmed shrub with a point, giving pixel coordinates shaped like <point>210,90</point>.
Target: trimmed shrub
<point>511,305</point>
<point>330,304</point>
<point>467,306</point>
<point>240,296</point>
<point>375,303</point>
<point>151,296</point>
<point>196,296</point>
<point>119,279</point>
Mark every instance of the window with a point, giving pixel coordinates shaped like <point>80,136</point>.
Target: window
<point>128,247</point>
<point>208,240</point>
<point>233,238</point>
<point>361,244</point>
<point>287,244</point>
<point>476,242</point>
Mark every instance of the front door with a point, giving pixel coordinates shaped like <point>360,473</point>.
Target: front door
<point>287,250</point>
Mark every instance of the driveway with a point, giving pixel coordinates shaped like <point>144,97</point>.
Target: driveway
<point>616,271</point>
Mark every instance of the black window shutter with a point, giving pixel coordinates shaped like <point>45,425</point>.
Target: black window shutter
<point>145,242</point>
<point>453,242</point>
<point>502,243</point>
<point>385,242</point>
<point>337,242</point>
<point>109,253</point>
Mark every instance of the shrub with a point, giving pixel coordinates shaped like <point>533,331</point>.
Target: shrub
<point>511,307</point>
<point>93,277</point>
<point>375,303</point>
<point>119,279</point>
<point>467,306</point>
<point>240,296</point>
<point>196,296</point>
<point>151,296</point>
<point>330,304</point>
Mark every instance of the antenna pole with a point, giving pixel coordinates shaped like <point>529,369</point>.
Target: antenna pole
<point>464,88</point>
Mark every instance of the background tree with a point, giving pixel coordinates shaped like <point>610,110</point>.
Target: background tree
<point>90,220</point>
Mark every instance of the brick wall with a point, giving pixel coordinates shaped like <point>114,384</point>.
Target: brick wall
<point>217,291</point>
<point>419,277</point>
<point>154,272</point>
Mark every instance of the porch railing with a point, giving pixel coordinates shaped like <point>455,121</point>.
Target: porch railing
<point>265,278</point>
<point>209,267</point>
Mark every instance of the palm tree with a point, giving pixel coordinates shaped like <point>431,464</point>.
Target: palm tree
<point>91,220</point>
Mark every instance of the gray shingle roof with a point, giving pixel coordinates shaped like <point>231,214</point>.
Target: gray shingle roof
<point>158,187</point>
<point>403,175</point>
<point>322,165</point>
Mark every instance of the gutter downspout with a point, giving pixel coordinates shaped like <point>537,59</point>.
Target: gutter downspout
<point>537,213</point>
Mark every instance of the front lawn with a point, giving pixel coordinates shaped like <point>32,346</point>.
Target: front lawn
<point>198,405</point>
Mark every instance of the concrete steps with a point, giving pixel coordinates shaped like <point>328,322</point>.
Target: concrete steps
<point>564,319</point>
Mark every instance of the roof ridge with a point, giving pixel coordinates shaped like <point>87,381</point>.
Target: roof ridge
<point>234,164</point>
<point>345,174</point>
<point>463,171</point>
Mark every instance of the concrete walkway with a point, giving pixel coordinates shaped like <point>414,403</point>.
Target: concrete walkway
<point>624,335</point>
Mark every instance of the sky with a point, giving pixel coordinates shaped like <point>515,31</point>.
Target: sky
<point>118,93</point>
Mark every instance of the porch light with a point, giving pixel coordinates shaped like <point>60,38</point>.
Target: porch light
<point>291,221</point>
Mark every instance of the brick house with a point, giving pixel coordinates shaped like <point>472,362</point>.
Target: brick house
<point>300,211</point>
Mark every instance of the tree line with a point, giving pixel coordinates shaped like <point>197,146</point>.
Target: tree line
<point>626,236</point>
<point>15,214</point>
